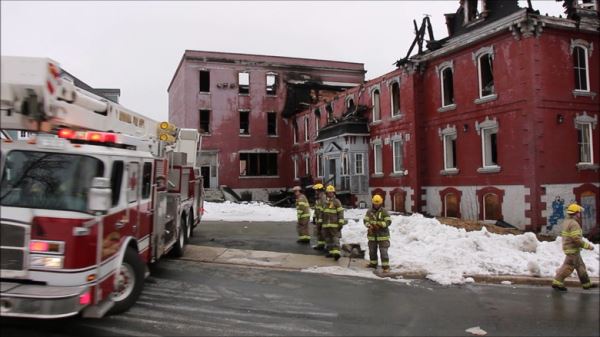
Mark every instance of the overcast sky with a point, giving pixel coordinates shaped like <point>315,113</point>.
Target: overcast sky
<point>136,46</point>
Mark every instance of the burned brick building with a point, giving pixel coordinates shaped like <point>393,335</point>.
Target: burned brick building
<point>498,121</point>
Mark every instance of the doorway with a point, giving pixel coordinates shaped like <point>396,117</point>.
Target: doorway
<point>205,172</point>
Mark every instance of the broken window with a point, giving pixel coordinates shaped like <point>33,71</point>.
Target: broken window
<point>272,123</point>
<point>271,84</point>
<point>470,10</point>
<point>581,69</point>
<point>395,93</point>
<point>244,82</point>
<point>244,122</point>
<point>376,110</point>
<point>329,110</point>
<point>258,164</point>
<point>204,121</point>
<point>317,120</point>
<point>450,151</point>
<point>486,75</point>
<point>306,129</point>
<point>447,83</point>
<point>489,144</point>
<point>204,81</point>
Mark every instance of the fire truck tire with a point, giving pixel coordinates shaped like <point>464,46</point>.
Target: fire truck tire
<point>179,247</point>
<point>130,282</point>
<point>190,226</point>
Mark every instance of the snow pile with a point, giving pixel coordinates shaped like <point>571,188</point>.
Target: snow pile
<point>247,211</point>
<point>445,254</point>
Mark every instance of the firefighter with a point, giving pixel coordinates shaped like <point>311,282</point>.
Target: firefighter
<point>318,217</point>
<point>303,213</point>
<point>572,243</point>
<point>333,220</point>
<point>378,220</point>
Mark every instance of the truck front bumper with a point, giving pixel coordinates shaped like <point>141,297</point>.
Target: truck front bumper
<point>39,301</point>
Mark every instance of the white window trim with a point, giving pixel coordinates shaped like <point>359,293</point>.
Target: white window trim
<point>588,49</point>
<point>585,119</point>
<point>449,132</point>
<point>375,157</point>
<point>440,72</point>
<point>320,170</point>
<point>492,125</point>
<point>397,170</point>
<point>362,164</point>
<point>477,58</point>
<point>295,161</point>
<point>377,89</point>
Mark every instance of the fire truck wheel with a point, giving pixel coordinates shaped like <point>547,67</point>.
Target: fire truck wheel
<point>190,226</point>
<point>129,282</point>
<point>179,247</point>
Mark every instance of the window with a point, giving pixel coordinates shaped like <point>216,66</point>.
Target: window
<point>345,165</point>
<point>204,121</point>
<point>271,84</point>
<point>486,75</point>
<point>398,156</point>
<point>295,160</point>
<point>244,122</point>
<point>272,123</point>
<point>295,132</point>
<point>378,163</point>
<point>317,120</point>
<point>349,103</point>
<point>580,67</point>
<point>307,166</point>
<point>204,81</point>
<point>376,108</point>
<point>395,96</point>
<point>359,164</point>
<point>447,86</point>
<point>306,129</point>
<point>146,179</point>
<point>584,141</point>
<point>115,181</point>
<point>489,145</point>
<point>258,164</point>
<point>329,110</point>
<point>320,168</point>
<point>450,152</point>
<point>244,82</point>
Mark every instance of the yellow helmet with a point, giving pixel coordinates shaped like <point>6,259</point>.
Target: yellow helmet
<point>330,188</point>
<point>318,186</point>
<point>377,199</point>
<point>574,208</point>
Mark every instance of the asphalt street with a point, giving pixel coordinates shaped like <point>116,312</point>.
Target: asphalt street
<point>190,298</point>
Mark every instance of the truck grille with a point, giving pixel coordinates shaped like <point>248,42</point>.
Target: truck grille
<point>13,245</point>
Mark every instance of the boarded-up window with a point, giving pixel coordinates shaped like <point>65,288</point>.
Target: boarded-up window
<point>399,203</point>
<point>491,207</point>
<point>451,205</point>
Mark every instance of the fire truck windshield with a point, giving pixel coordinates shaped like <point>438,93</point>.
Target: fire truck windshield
<point>48,180</point>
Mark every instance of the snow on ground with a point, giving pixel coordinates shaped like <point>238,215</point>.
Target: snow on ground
<point>418,244</point>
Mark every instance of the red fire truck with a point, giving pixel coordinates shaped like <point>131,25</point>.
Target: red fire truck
<point>96,194</point>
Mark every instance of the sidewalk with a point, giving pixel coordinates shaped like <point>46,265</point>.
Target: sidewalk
<point>297,262</point>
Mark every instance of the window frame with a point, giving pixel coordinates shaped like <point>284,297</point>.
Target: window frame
<point>400,143</point>
<point>274,114</point>
<point>590,145</point>
<point>580,45</point>
<point>376,105</point>
<point>247,112</point>
<point>243,89</point>
<point>357,165</point>
<point>377,158</point>
<point>488,127</point>
<point>395,99</point>
<point>200,87</point>
<point>274,86</point>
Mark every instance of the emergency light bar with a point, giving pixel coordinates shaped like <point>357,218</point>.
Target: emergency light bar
<point>92,136</point>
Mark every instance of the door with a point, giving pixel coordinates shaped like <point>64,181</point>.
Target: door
<point>399,205</point>
<point>588,216</point>
<point>205,173</point>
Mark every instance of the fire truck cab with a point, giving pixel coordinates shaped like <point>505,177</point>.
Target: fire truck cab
<point>96,194</point>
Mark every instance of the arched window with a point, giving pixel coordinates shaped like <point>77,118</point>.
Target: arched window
<point>376,106</point>
<point>580,68</point>
<point>447,86</point>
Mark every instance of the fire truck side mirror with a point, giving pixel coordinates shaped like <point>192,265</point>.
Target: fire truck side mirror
<point>100,195</point>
